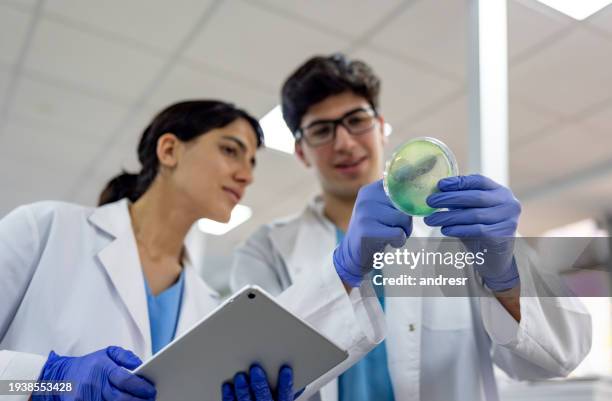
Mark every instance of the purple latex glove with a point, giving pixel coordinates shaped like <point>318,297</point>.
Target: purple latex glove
<point>99,376</point>
<point>256,387</point>
<point>375,223</point>
<point>484,214</point>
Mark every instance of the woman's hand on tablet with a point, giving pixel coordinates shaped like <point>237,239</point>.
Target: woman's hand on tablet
<point>101,375</point>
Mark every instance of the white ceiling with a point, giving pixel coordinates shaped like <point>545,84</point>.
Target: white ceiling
<point>80,79</point>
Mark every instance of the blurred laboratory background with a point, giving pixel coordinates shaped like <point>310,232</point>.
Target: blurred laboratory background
<point>79,80</point>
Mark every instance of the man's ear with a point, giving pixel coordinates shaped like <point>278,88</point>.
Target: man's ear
<point>167,150</point>
<point>299,152</point>
<point>381,122</point>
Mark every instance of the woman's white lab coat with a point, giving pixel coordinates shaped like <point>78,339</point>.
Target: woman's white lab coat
<point>71,281</point>
<point>437,348</point>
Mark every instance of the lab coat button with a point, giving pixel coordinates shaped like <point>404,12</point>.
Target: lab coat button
<point>411,327</point>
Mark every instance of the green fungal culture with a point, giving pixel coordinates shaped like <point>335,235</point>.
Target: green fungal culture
<point>413,172</point>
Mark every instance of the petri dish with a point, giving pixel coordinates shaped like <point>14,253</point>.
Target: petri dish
<point>413,172</point>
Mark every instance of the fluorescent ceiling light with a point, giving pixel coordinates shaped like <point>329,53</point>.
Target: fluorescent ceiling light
<point>276,133</point>
<point>577,9</point>
<point>240,214</point>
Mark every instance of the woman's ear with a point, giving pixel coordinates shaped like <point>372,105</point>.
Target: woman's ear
<point>167,150</point>
<point>299,152</point>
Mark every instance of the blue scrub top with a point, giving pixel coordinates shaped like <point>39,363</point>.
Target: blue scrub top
<point>164,309</point>
<point>369,378</point>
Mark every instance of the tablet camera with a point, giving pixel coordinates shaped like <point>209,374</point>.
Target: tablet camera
<point>251,295</point>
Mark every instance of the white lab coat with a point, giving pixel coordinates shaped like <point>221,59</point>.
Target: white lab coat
<point>436,350</point>
<point>71,281</point>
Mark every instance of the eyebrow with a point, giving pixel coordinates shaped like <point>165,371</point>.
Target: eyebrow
<point>240,144</point>
<point>237,141</point>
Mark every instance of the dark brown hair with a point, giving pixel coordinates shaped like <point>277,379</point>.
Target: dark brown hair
<point>187,120</point>
<point>324,76</point>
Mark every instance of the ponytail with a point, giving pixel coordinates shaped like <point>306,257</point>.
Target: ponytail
<point>125,185</point>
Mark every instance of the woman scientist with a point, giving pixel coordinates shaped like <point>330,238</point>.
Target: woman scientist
<point>95,283</point>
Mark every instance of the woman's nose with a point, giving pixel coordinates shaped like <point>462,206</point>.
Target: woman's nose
<point>244,175</point>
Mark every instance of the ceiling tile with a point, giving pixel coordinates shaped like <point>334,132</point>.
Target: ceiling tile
<point>527,169</point>
<point>603,19</point>
<point>589,199</point>
<point>4,81</point>
<point>349,17</point>
<point>123,154</point>
<point>13,30</point>
<point>187,81</point>
<point>557,153</point>
<point>601,120</point>
<point>89,190</point>
<point>406,91</point>
<point>92,62</point>
<point>39,166</point>
<point>449,124</point>
<point>89,194</point>
<point>530,23</point>
<point>51,187</point>
<point>569,76</point>
<point>597,193</point>
<point>11,199</point>
<point>23,173</point>
<point>143,20</point>
<point>525,119</point>
<point>64,109</point>
<point>444,44</point>
<point>276,45</point>
<point>119,155</point>
<point>46,147</point>
<point>432,31</point>
<point>114,154</point>
<point>23,4</point>
<point>544,214</point>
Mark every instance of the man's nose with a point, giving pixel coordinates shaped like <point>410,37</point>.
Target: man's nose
<point>343,139</point>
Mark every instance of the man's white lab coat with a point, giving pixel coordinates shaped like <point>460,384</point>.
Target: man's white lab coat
<point>438,349</point>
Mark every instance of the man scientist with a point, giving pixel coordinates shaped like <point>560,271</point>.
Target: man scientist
<point>436,348</point>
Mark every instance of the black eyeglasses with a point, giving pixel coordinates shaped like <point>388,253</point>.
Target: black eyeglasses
<point>357,122</point>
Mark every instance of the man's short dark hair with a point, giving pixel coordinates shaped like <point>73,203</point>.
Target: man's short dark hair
<point>322,77</point>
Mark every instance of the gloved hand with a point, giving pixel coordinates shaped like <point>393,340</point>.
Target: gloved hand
<point>484,215</point>
<point>97,376</point>
<point>256,387</point>
<point>375,223</point>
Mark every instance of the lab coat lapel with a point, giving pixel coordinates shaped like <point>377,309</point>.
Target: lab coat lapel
<point>122,264</point>
<point>311,242</point>
<point>198,299</point>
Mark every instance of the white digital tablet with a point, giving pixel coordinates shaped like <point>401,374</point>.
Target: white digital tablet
<point>247,328</point>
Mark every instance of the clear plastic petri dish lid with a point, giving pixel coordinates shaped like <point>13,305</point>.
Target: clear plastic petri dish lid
<point>413,171</point>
